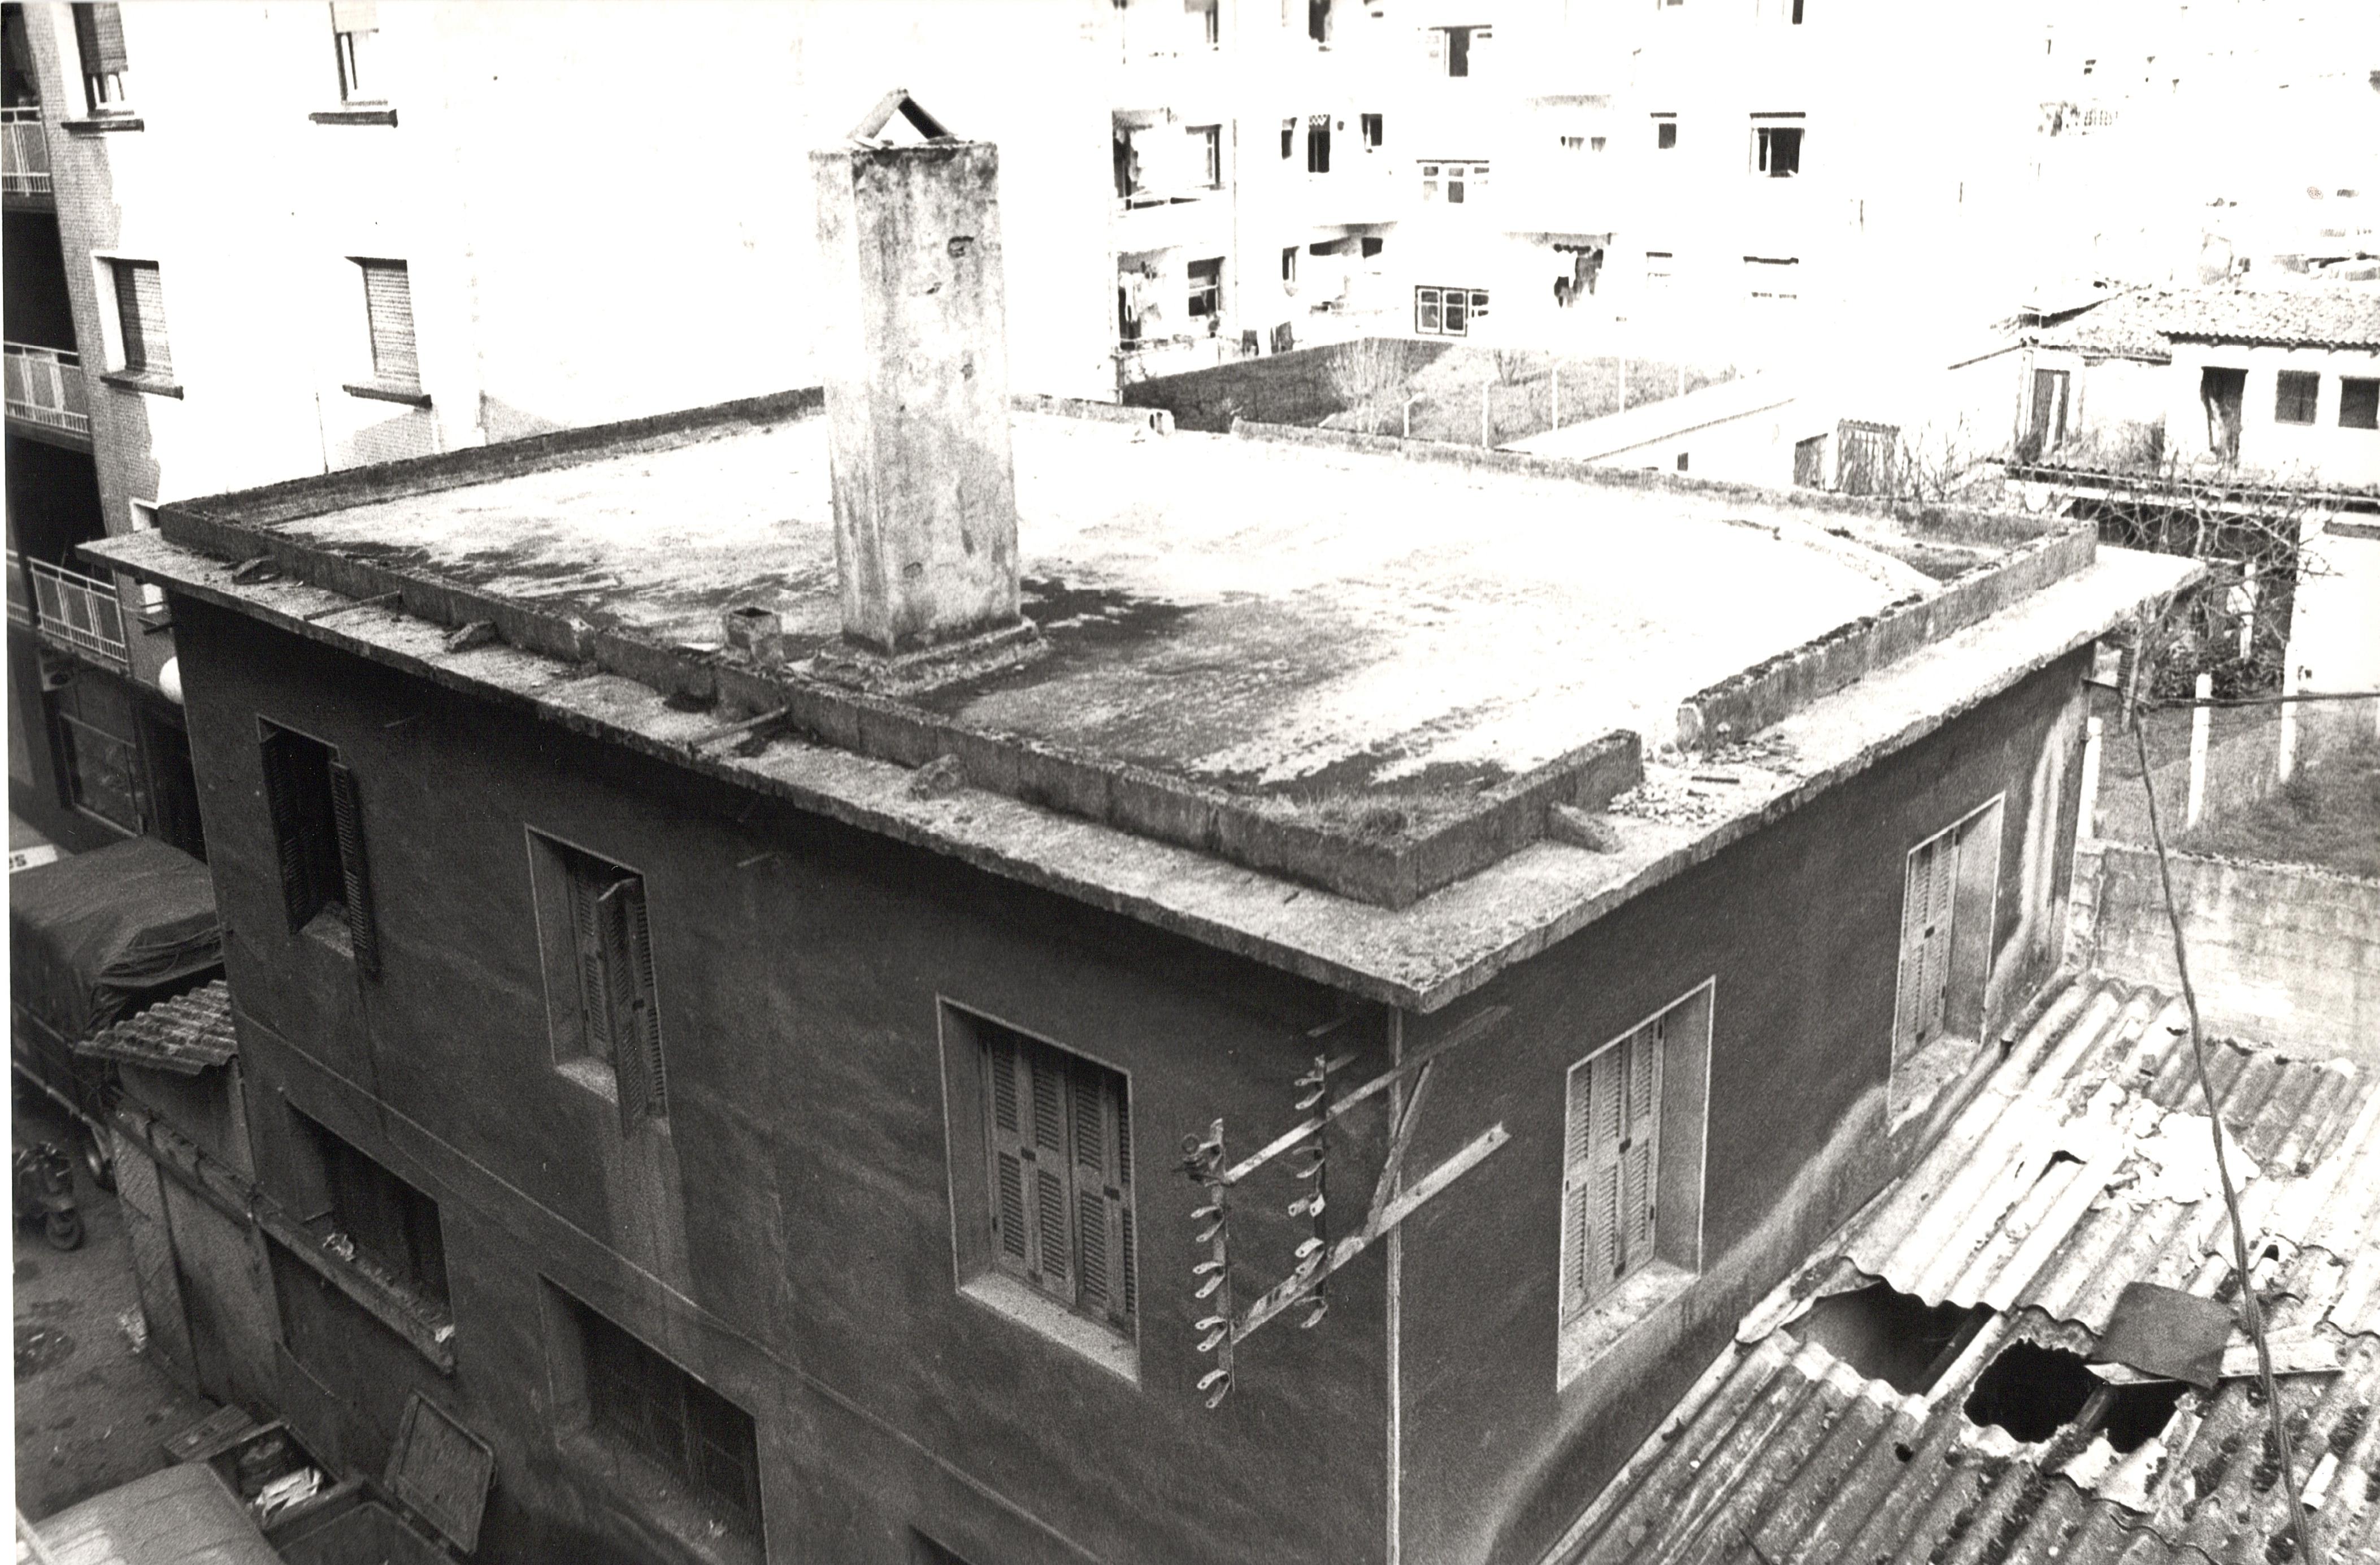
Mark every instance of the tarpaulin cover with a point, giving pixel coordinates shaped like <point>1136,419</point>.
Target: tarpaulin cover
<point>91,935</point>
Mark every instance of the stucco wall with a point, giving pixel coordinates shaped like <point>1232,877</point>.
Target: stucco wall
<point>795,1248</point>
<point>2321,451</point>
<point>1798,926</point>
<point>2281,954</point>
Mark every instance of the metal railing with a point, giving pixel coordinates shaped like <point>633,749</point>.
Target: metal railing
<point>20,594</point>
<point>25,165</point>
<point>45,386</point>
<point>81,613</point>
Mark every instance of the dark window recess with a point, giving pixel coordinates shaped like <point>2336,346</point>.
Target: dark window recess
<point>1207,287</point>
<point>1372,246</point>
<point>2294,396</point>
<point>611,951</point>
<point>2358,404</point>
<point>392,1224</point>
<point>1289,263</point>
<point>1374,128</point>
<point>1317,20</point>
<point>667,1416</point>
<point>1060,1144</point>
<point>1776,150</point>
<point>2032,1391</point>
<point>2221,391</point>
<point>1288,138</point>
<point>318,827</point>
<point>1665,134</point>
<point>140,315</point>
<point>99,40</point>
<point>1891,1336</point>
<point>1454,45</point>
<point>1317,143</point>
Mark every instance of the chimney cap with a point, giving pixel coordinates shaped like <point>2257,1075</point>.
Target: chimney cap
<point>871,124</point>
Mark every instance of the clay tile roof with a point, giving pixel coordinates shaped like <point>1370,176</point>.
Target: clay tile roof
<point>2085,1164</point>
<point>2128,325</point>
<point>2312,317</point>
<point>184,1034</point>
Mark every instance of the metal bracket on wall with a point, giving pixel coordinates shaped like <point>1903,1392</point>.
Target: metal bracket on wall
<point>1204,1160</point>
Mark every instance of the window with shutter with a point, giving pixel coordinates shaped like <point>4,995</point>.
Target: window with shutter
<point>1057,1173</point>
<point>669,1419</point>
<point>388,315</point>
<point>602,993</point>
<point>317,836</point>
<point>1948,888</point>
<point>1612,1158</point>
<point>99,41</point>
<point>140,317</point>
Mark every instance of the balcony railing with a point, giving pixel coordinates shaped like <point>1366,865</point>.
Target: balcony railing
<point>45,386</point>
<point>24,170</point>
<point>81,613</point>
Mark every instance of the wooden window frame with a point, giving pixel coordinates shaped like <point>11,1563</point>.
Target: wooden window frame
<point>594,930</point>
<point>2359,402</point>
<point>318,836</point>
<point>1005,1192</point>
<point>1664,1093</point>
<point>143,342</point>
<point>1950,908</point>
<point>102,57</point>
<point>2296,391</point>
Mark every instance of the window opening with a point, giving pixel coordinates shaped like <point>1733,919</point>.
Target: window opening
<point>140,316</point>
<point>2221,392</point>
<point>1610,1160</point>
<point>318,825</point>
<point>1776,151</point>
<point>1665,133</point>
<point>2358,403</point>
<point>660,1411</point>
<point>1210,153</point>
<point>1893,1337</point>
<point>388,317</point>
<point>1373,126</point>
<point>99,41</point>
<point>2295,392</point>
<point>598,947</point>
<point>394,1226</point>
<point>1058,1134</point>
<point>1289,263</point>
<point>1288,137</point>
<point>1452,48</point>
<point>1444,312</point>
<point>1207,289</point>
<point>355,31</point>
<point>1317,143</point>
<point>1951,882</point>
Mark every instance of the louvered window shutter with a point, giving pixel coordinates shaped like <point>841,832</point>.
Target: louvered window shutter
<point>594,1004</point>
<point>1937,935</point>
<point>642,1033</point>
<point>1051,1193</point>
<point>1007,1090</point>
<point>1639,1146</point>
<point>281,799</point>
<point>355,16</point>
<point>363,934</point>
<point>140,311</point>
<point>98,38</point>
<point>1102,1192</point>
<point>622,945</point>
<point>1917,898</point>
<point>388,309</point>
<point>1611,1157</point>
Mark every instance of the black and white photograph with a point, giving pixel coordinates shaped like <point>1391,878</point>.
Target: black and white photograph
<point>1193,782</point>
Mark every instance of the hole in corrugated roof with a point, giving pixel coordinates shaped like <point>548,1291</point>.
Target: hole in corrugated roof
<point>2136,1414</point>
<point>1903,1452</point>
<point>2032,1391</point>
<point>1891,1336</point>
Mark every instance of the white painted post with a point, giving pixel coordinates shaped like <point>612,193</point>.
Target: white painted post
<point>1483,415</point>
<point>2289,758</point>
<point>2248,611</point>
<point>2090,743</point>
<point>1557,374</point>
<point>1409,403</point>
<point>1623,362</point>
<point>2199,716</point>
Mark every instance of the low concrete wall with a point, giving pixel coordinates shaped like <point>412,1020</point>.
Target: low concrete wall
<point>2280,953</point>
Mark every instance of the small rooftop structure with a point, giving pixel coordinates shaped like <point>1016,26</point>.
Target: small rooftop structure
<point>1395,673</point>
<point>184,1034</point>
<point>2085,1164</point>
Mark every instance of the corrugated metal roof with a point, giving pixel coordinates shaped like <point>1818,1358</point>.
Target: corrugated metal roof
<point>2085,1164</point>
<point>184,1034</point>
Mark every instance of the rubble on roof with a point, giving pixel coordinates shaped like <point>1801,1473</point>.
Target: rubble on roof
<point>186,1034</point>
<point>2070,1175</point>
<point>2336,316</point>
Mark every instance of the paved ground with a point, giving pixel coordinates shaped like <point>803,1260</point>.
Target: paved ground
<point>90,1412</point>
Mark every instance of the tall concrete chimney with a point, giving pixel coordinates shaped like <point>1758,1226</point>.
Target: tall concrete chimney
<point>915,367</point>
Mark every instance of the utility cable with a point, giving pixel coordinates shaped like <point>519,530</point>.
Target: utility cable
<point>2251,1309</point>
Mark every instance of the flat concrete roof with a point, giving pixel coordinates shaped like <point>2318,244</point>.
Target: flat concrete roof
<point>1234,612</point>
<point>1230,619</point>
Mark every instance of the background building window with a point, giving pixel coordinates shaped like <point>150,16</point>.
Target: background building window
<point>1210,150</point>
<point>1060,1138</point>
<point>1374,126</point>
<point>1450,48</point>
<point>1776,151</point>
<point>1207,287</point>
<point>647,1406</point>
<point>1288,138</point>
<point>1289,263</point>
<point>1317,143</point>
<point>355,31</point>
<point>2358,403</point>
<point>602,1007</point>
<point>1443,311</point>
<point>1456,181</point>
<point>388,316</point>
<point>2296,393</point>
<point>1665,133</point>
<point>99,40</point>
<point>140,317</point>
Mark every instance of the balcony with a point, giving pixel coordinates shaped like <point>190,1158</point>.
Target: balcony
<point>1149,220</point>
<point>76,611</point>
<point>45,388</point>
<point>24,170</point>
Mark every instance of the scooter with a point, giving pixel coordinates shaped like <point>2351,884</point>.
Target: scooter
<point>45,1194</point>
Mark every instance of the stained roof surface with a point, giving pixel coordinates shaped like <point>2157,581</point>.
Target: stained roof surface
<point>1227,609</point>
<point>2144,323</point>
<point>184,1034</point>
<point>2085,1164</point>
